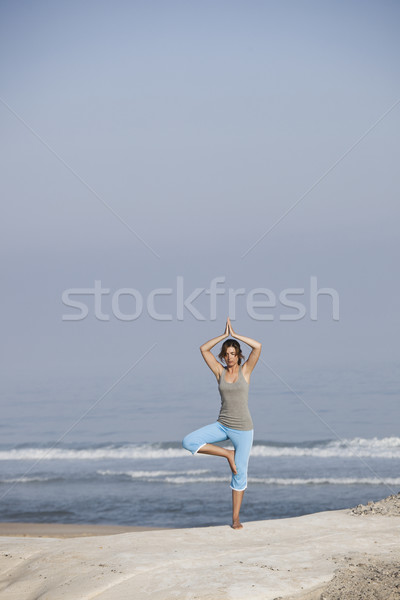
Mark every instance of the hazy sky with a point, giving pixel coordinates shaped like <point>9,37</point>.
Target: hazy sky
<point>150,145</point>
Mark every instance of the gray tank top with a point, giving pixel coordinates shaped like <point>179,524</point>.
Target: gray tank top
<point>234,411</point>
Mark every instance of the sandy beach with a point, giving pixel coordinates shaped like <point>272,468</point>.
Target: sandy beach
<point>347,554</point>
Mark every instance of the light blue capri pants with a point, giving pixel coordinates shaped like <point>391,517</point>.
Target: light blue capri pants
<point>216,432</point>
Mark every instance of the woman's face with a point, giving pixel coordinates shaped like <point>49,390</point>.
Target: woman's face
<point>231,358</point>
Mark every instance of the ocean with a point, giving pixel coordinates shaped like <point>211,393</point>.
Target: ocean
<point>82,450</point>
<point>161,484</point>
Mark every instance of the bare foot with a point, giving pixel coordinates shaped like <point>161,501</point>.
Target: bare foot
<point>237,525</point>
<point>231,460</point>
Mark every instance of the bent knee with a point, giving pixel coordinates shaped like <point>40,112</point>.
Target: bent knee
<point>188,443</point>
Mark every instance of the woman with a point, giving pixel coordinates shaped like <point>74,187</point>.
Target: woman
<point>234,420</point>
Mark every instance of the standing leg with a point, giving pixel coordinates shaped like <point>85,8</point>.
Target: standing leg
<point>237,498</point>
<point>242,441</point>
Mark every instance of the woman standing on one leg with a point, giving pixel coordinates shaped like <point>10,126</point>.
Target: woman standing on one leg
<point>234,420</point>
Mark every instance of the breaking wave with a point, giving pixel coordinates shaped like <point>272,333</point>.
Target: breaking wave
<point>386,448</point>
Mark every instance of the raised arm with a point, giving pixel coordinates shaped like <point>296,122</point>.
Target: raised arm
<point>209,357</point>
<point>254,345</point>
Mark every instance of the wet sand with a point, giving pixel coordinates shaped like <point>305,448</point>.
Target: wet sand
<point>61,530</point>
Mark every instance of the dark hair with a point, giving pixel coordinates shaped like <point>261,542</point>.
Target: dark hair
<point>228,344</point>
